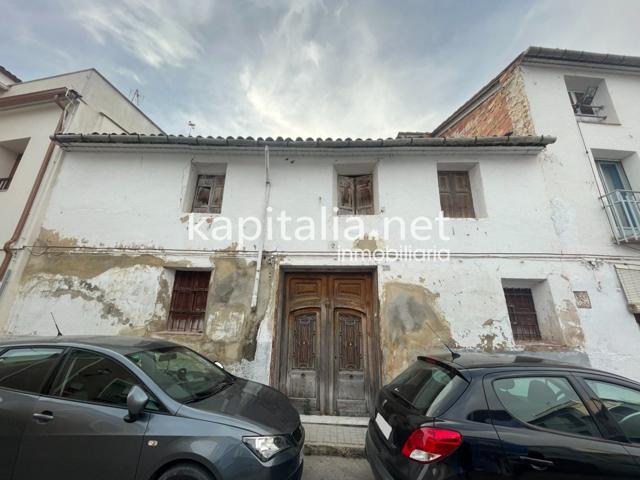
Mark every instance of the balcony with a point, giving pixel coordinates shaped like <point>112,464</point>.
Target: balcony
<point>623,210</point>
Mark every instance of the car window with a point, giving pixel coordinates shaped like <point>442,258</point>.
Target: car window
<point>624,405</point>
<point>547,402</point>
<point>92,377</point>
<point>183,374</point>
<point>424,384</point>
<point>27,369</point>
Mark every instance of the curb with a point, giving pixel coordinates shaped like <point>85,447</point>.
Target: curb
<point>334,450</point>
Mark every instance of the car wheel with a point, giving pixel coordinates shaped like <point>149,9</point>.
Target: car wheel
<point>186,472</point>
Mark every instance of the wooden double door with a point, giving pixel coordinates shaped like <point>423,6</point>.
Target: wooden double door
<point>329,345</point>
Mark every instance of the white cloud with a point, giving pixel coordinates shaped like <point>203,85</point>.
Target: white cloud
<point>157,32</point>
<point>336,82</point>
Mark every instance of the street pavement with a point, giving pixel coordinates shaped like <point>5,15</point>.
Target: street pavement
<point>318,467</point>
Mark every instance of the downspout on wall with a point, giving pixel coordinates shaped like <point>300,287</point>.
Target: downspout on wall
<point>68,96</point>
<point>267,196</point>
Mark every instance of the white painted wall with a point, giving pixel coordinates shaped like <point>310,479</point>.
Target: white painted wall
<point>137,199</point>
<point>573,189</point>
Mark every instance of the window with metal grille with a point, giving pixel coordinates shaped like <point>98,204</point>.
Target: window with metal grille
<point>189,301</point>
<point>355,195</point>
<point>456,200</point>
<point>522,314</point>
<point>208,194</point>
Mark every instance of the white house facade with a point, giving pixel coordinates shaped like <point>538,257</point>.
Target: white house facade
<point>488,235</point>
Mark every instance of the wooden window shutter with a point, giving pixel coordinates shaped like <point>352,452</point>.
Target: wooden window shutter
<point>456,200</point>
<point>189,301</point>
<point>364,195</point>
<point>355,195</point>
<point>215,202</point>
<point>346,195</point>
<point>208,194</point>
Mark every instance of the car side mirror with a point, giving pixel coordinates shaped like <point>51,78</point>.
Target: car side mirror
<point>218,364</point>
<point>136,401</point>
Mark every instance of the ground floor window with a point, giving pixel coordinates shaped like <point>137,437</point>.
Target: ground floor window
<point>189,301</point>
<point>522,314</point>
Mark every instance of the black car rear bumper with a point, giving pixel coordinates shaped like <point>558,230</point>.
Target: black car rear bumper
<point>373,457</point>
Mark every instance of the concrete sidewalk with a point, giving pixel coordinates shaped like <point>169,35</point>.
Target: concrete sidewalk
<point>341,436</point>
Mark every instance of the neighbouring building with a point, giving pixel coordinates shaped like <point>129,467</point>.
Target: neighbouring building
<point>590,102</point>
<point>536,262</point>
<point>30,112</point>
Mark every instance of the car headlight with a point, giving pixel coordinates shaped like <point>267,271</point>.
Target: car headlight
<point>266,447</point>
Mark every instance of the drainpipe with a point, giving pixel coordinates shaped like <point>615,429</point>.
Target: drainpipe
<point>267,196</point>
<point>69,96</point>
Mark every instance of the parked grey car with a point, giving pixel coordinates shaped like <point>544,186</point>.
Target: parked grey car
<point>120,408</point>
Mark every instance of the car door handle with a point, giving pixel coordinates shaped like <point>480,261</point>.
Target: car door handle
<point>538,464</point>
<point>43,417</point>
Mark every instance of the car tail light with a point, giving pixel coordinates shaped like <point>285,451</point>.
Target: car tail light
<point>428,444</point>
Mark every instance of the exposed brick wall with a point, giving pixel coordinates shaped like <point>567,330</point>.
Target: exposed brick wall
<point>507,110</point>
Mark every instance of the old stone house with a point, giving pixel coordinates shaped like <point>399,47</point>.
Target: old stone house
<point>157,235</point>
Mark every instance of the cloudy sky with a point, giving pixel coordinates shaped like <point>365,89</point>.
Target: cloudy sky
<point>313,68</point>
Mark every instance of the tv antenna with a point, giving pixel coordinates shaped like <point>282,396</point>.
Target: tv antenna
<point>56,324</point>
<point>191,126</point>
<point>136,97</point>
<point>454,355</point>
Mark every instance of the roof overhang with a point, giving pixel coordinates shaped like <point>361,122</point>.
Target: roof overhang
<point>53,95</point>
<point>158,143</point>
<point>576,58</point>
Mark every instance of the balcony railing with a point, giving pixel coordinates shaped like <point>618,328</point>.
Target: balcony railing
<point>4,183</point>
<point>623,210</point>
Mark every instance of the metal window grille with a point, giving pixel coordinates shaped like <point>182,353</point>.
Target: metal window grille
<point>522,314</point>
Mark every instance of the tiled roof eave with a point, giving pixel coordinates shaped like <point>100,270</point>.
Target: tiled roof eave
<point>309,143</point>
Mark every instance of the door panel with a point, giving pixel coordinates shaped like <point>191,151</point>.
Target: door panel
<point>350,388</point>
<point>303,381</point>
<point>81,440</point>
<point>560,439</point>
<point>327,341</point>
<point>619,402</point>
<point>15,413</point>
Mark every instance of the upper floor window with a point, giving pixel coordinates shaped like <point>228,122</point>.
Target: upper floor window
<point>590,99</point>
<point>355,195</point>
<point>208,194</point>
<point>456,200</point>
<point>11,152</point>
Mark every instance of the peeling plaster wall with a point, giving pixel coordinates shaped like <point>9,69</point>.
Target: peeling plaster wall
<point>104,258</point>
<point>461,301</point>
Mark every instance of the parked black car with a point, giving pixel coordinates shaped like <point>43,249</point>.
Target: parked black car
<point>505,416</point>
<point>119,408</point>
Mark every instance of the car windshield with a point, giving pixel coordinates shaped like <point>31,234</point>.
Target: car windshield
<point>183,374</point>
